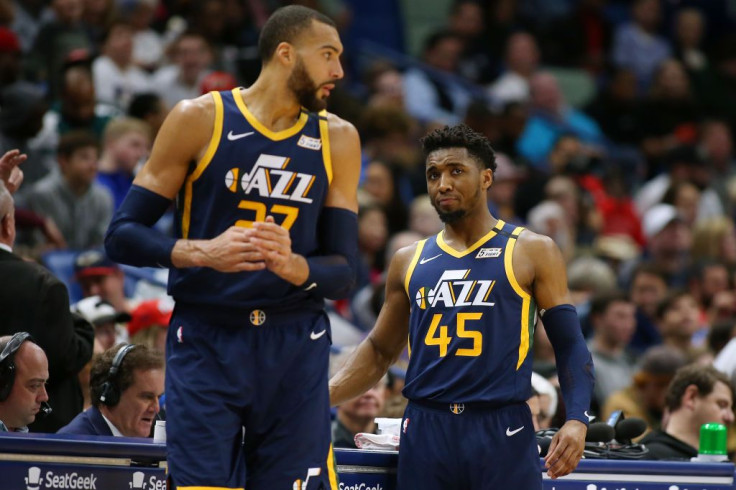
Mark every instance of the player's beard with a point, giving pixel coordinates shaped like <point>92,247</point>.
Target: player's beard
<point>304,88</point>
<point>451,217</point>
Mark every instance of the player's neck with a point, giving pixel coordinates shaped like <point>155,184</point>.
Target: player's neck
<point>469,229</point>
<point>272,104</point>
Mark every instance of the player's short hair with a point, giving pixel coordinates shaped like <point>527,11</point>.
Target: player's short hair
<point>285,25</point>
<point>703,377</point>
<point>461,136</point>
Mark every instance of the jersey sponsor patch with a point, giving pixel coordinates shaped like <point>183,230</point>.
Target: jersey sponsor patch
<point>489,253</point>
<point>309,143</point>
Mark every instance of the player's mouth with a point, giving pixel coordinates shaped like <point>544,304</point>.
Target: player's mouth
<point>327,89</point>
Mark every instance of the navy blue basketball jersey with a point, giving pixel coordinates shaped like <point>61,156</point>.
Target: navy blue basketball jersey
<point>471,324</point>
<point>247,173</point>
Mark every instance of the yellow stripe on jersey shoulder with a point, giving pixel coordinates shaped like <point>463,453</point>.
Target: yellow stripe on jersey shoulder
<point>413,264</point>
<point>203,163</point>
<point>324,131</point>
<point>509,264</point>
<point>272,135</point>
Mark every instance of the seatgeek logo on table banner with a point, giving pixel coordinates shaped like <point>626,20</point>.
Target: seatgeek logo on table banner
<point>64,481</point>
<point>153,483</point>
<point>360,486</point>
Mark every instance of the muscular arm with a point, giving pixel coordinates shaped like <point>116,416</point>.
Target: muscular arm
<point>333,270</point>
<point>183,138</point>
<point>384,344</point>
<point>542,271</point>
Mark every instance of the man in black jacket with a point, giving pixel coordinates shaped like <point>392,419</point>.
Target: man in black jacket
<point>697,395</point>
<point>35,301</point>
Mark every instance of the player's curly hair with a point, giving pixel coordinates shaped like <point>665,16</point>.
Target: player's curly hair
<point>285,25</point>
<point>461,136</point>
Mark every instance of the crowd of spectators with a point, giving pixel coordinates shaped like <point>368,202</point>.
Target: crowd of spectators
<point>613,122</point>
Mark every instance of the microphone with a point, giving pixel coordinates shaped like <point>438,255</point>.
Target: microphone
<point>543,445</point>
<point>599,432</point>
<point>45,410</point>
<point>628,429</point>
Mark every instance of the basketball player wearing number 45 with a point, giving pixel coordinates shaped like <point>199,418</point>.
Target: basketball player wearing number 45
<point>266,186</point>
<point>467,301</point>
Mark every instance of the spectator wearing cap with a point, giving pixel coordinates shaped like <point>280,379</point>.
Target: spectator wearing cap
<point>149,323</point>
<point>97,275</point>
<point>79,206</point>
<point>669,241</point>
<point>104,318</point>
<point>35,301</point>
<point>10,57</point>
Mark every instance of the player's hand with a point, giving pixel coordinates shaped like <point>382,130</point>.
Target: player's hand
<point>10,174</point>
<point>232,251</point>
<point>566,449</point>
<point>275,243</point>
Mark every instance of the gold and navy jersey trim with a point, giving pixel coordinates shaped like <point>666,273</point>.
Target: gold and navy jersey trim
<point>203,163</point>
<point>332,469</point>
<point>258,126</point>
<point>528,306</point>
<point>462,253</point>
<point>324,130</point>
<point>412,265</point>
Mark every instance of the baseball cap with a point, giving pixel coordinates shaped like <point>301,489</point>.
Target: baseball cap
<point>657,218</point>
<point>151,313</point>
<point>97,311</point>
<point>93,263</point>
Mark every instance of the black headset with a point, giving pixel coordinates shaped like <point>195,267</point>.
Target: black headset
<point>110,394</point>
<point>7,366</point>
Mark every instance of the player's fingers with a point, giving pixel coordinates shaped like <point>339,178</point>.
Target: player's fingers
<point>250,266</point>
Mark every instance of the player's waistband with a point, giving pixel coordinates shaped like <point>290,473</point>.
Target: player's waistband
<point>250,316</point>
<point>458,408</point>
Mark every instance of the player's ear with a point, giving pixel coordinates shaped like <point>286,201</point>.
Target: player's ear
<point>285,53</point>
<point>486,178</point>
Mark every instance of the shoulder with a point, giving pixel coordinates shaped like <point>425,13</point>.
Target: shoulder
<point>193,109</point>
<point>402,259</point>
<point>531,243</point>
<point>340,128</point>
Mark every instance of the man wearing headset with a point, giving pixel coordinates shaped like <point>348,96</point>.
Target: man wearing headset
<point>24,371</point>
<point>125,384</point>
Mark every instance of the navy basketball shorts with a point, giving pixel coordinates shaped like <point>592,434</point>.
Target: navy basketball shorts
<point>247,403</point>
<point>457,447</point>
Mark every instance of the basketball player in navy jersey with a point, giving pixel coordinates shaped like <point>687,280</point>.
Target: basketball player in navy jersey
<point>266,187</point>
<point>467,300</point>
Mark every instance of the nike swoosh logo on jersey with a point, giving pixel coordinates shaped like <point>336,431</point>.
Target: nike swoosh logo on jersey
<point>316,335</point>
<point>510,432</point>
<point>590,417</point>
<point>233,137</point>
<point>424,261</point>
